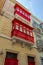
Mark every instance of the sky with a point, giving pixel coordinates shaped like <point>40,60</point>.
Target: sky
<point>35,7</point>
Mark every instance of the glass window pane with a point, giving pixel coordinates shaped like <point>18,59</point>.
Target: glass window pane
<point>21,11</point>
<point>30,33</point>
<point>21,28</point>
<point>17,26</point>
<point>24,30</point>
<point>27,32</point>
<point>17,9</point>
<point>25,14</point>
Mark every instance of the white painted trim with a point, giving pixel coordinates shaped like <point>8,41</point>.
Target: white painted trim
<point>33,47</point>
<point>5,36</point>
<point>22,19</point>
<point>14,37</point>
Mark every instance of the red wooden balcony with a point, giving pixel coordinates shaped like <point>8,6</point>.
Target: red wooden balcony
<point>22,31</point>
<point>22,12</point>
<point>23,36</point>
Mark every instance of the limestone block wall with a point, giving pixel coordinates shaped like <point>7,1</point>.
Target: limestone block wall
<point>1,4</point>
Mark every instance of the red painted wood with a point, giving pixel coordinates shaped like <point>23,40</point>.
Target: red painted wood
<point>31,63</point>
<point>20,34</point>
<point>23,36</point>
<point>25,15</point>
<point>21,23</point>
<point>9,61</point>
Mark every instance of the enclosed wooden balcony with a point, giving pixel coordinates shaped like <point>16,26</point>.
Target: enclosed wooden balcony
<point>21,12</point>
<point>22,31</point>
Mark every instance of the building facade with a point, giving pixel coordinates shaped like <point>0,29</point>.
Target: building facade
<point>21,35</point>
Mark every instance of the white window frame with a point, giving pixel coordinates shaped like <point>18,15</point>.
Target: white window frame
<point>28,32</point>
<point>17,9</point>
<point>31,33</point>
<point>24,30</point>
<point>17,27</point>
<point>20,11</point>
<point>26,14</point>
<point>23,13</point>
<point>21,28</point>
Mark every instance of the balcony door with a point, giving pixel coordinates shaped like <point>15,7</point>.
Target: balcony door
<point>31,60</point>
<point>11,59</point>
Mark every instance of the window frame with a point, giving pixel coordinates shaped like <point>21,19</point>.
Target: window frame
<point>28,32</point>
<point>24,30</point>
<point>20,28</point>
<point>31,33</point>
<point>17,26</point>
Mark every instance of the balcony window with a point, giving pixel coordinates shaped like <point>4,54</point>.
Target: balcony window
<point>17,27</point>
<point>20,11</point>
<point>23,13</point>
<point>27,32</point>
<point>21,28</point>
<point>24,30</point>
<point>35,24</point>
<point>30,33</point>
<point>17,9</point>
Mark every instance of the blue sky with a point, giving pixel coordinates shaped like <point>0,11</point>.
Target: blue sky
<point>35,7</point>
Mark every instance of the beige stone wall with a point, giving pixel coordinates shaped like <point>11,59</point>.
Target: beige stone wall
<point>2,4</point>
<point>5,26</point>
<point>3,1</point>
<point>13,1</point>
<point>6,45</point>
